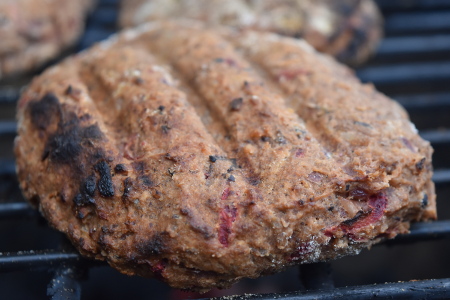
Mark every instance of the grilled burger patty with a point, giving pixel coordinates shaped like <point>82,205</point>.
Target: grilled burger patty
<point>34,31</point>
<point>347,29</point>
<point>200,157</point>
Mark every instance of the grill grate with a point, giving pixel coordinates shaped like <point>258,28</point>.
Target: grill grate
<point>412,65</point>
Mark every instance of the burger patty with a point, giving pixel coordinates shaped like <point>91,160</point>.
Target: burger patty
<point>347,29</point>
<point>200,157</point>
<point>32,32</point>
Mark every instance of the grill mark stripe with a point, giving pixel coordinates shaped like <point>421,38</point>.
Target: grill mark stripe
<point>344,115</point>
<point>308,102</point>
<point>212,65</point>
<point>187,124</point>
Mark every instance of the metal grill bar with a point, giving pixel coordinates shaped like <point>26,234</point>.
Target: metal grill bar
<point>15,210</point>
<point>404,23</point>
<point>436,136</point>
<point>441,176</point>
<point>403,5</point>
<point>7,167</point>
<point>424,101</point>
<point>426,289</point>
<point>402,73</point>
<point>413,45</point>
<point>8,128</point>
<point>35,260</point>
<point>424,231</point>
<point>9,95</point>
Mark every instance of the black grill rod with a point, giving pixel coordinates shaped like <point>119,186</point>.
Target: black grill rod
<point>406,73</point>
<point>425,289</point>
<point>9,95</point>
<point>413,45</point>
<point>16,209</point>
<point>422,232</point>
<point>8,128</point>
<point>441,176</point>
<point>436,136</point>
<point>415,22</point>
<point>35,260</point>
<point>420,5</point>
<point>7,167</point>
<point>424,101</point>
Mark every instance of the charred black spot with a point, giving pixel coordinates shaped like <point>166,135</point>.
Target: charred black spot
<point>139,80</point>
<point>234,163</point>
<point>120,168</point>
<point>145,180</point>
<point>35,200</point>
<point>265,138</point>
<point>231,178</point>
<point>42,112</point>
<point>90,185</point>
<point>353,220</point>
<point>63,147</point>
<point>85,194</point>
<point>156,245</point>
<point>165,129</point>
<point>419,165</point>
<point>69,90</point>
<point>78,200</point>
<point>139,166</point>
<point>66,144</point>
<point>91,132</point>
<point>425,201</point>
<point>80,215</point>
<point>331,208</point>
<point>212,158</point>
<point>363,124</point>
<point>161,108</point>
<point>82,199</point>
<point>254,180</point>
<point>280,139</point>
<point>127,188</point>
<point>204,230</point>
<point>105,184</point>
<point>236,104</point>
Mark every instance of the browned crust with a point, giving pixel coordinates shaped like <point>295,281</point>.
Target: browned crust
<point>201,157</point>
<point>350,30</point>
<point>33,32</point>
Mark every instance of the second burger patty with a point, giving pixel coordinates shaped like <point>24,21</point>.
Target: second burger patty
<point>204,156</point>
<point>350,30</point>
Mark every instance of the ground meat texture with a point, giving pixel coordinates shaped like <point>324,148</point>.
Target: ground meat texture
<point>257,172</point>
<point>35,31</point>
<point>347,29</point>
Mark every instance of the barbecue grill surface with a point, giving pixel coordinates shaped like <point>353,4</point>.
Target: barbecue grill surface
<point>412,66</point>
